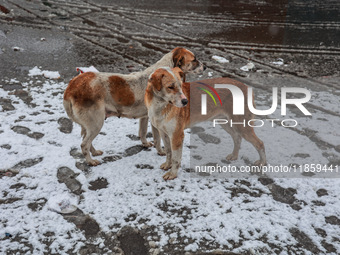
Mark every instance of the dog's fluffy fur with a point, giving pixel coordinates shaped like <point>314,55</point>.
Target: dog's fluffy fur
<point>165,97</point>
<point>92,97</point>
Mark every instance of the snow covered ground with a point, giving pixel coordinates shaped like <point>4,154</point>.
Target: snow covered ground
<point>255,216</point>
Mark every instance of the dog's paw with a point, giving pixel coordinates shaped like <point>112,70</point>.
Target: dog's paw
<point>165,166</point>
<point>231,157</point>
<point>259,163</point>
<point>161,153</point>
<point>169,176</point>
<point>147,144</point>
<point>94,162</point>
<point>97,153</point>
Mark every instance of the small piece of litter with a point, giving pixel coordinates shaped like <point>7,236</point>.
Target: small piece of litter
<point>220,59</point>
<point>17,49</point>
<point>248,67</point>
<point>210,74</point>
<point>9,174</point>
<point>87,69</point>
<point>278,62</point>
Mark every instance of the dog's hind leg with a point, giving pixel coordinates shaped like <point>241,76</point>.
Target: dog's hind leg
<point>83,132</point>
<point>93,151</point>
<point>249,134</point>
<point>92,126</point>
<point>237,141</point>
<point>143,129</point>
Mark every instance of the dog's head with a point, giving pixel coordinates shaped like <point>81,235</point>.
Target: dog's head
<point>166,83</point>
<point>186,61</point>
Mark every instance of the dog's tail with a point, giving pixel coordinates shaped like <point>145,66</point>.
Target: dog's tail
<point>69,110</point>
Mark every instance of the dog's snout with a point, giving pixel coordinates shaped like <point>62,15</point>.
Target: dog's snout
<point>184,101</point>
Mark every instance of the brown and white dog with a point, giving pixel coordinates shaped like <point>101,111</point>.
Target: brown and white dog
<point>92,97</point>
<point>165,98</point>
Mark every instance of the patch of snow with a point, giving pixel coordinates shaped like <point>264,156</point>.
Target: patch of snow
<point>14,81</point>
<point>192,247</point>
<point>214,212</point>
<point>63,203</point>
<point>34,71</point>
<point>51,74</point>
<point>47,74</point>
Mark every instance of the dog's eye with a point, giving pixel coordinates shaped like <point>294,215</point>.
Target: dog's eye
<point>171,87</point>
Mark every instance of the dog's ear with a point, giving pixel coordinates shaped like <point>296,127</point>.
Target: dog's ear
<point>178,57</point>
<point>178,61</point>
<point>156,80</point>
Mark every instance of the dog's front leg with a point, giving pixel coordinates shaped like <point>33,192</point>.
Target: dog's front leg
<point>176,152</point>
<point>167,146</point>
<point>143,129</point>
<point>157,141</point>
